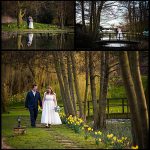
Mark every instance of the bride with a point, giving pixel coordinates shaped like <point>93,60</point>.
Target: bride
<point>119,35</point>
<point>49,116</point>
<point>30,22</point>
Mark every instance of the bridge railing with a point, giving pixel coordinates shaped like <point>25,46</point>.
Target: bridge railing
<point>121,36</point>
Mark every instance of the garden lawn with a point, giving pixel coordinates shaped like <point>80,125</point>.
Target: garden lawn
<point>12,27</point>
<point>40,137</point>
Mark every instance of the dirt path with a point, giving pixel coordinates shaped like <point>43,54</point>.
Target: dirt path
<point>4,145</point>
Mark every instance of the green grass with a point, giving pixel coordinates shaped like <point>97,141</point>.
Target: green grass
<point>37,27</point>
<point>42,138</point>
<point>36,137</point>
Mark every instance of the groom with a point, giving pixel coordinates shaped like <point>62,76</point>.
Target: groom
<point>31,103</point>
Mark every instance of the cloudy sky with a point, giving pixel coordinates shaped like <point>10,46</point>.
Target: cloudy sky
<point>112,15</point>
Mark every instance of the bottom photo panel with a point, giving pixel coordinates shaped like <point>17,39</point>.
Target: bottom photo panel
<point>74,99</point>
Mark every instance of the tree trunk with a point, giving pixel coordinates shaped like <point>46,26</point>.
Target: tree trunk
<point>19,41</point>
<point>4,98</point>
<point>4,93</point>
<point>103,88</point>
<point>60,80</point>
<point>20,15</point>
<point>70,81</point>
<point>86,84</point>
<point>141,100</point>
<point>83,18</point>
<point>147,95</point>
<point>62,14</point>
<point>93,89</point>
<point>131,95</point>
<point>91,17</point>
<point>66,86</point>
<point>76,84</point>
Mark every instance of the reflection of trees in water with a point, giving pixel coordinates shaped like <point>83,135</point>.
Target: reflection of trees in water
<point>58,41</point>
<point>19,41</point>
<point>39,41</point>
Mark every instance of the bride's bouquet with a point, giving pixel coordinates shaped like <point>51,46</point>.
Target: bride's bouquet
<point>57,109</point>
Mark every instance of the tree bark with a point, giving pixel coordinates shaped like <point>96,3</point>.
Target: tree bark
<point>103,88</point>
<point>4,87</point>
<point>70,81</point>
<point>20,14</point>
<point>86,84</point>
<point>60,80</point>
<point>83,18</point>
<point>66,86</point>
<point>131,95</point>
<point>141,100</point>
<point>93,88</point>
<point>76,84</point>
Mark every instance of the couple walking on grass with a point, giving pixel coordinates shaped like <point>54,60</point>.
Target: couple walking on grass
<point>50,115</point>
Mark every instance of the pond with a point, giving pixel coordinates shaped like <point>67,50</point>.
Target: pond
<point>37,41</point>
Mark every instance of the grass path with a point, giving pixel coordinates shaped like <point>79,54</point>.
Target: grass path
<point>55,137</point>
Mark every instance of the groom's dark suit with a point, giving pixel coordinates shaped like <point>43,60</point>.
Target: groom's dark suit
<point>32,104</point>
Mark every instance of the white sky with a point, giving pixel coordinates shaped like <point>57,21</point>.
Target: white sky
<point>108,17</point>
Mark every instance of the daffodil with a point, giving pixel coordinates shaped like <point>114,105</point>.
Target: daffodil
<point>95,132</point>
<point>119,141</point>
<point>99,132</point>
<point>109,135</point>
<point>89,129</point>
<point>114,138</point>
<point>135,147</point>
<point>100,140</point>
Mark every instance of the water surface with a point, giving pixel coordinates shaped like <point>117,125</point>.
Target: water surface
<point>37,41</point>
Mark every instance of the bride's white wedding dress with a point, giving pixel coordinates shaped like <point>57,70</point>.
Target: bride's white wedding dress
<point>119,35</point>
<point>31,25</point>
<point>49,116</point>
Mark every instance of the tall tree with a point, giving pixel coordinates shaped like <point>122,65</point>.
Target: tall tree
<point>93,88</point>
<point>66,86</point>
<point>141,100</point>
<point>20,13</point>
<point>104,76</point>
<point>59,77</point>
<point>131,95</point>
<point>76,83</point>
<point>70,81</point>
<point>83,16</point>
<point>87,81</point>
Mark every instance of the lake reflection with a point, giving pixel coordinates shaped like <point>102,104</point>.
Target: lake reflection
<point>41,41</point>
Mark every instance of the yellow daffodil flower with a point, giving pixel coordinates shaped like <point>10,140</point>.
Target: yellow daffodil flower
<point>100,140</point>
<point>135,147</point>
<point>114,138</point>
<point>99,132</point>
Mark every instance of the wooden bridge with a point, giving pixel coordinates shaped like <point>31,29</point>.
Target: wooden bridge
<point>120,42</point>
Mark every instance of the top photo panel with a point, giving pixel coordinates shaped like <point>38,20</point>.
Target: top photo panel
<point>113,25</point>
<point>37,25</point>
